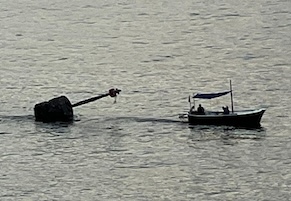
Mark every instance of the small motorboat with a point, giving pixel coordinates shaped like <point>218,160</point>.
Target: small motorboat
<point>241,118</point>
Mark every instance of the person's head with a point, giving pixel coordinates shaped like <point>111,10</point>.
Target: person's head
<point>199,105</point>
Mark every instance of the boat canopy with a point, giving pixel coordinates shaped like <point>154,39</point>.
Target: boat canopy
<point>210,95</point>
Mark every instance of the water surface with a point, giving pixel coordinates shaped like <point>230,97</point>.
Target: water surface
<point>158,53</point>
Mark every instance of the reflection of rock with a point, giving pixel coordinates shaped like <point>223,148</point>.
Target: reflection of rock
<point>56,109</point>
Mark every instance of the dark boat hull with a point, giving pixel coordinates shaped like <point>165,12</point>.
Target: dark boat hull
<point>248,118</point>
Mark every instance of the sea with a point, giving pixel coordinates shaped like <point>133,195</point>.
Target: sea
<point>135,147</point>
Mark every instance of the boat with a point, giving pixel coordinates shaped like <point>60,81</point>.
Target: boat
<point>250,118</point>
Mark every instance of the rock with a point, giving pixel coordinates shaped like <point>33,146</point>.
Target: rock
<point>56,109</point>
<point>61,109</point>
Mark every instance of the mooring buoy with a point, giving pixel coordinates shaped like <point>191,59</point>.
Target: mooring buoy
<point>61,109</point>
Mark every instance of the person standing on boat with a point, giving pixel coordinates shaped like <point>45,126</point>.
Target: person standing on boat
<point>200,110</point>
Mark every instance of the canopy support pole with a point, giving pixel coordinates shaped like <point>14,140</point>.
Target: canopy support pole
<point>231,96</point>
<point>189,100</point>
<point>191,107</point>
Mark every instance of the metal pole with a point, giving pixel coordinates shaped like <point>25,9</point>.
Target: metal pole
<point>189,100</point>
<point>231,96</point>
<point>89,100</point>
<point>112,93</point>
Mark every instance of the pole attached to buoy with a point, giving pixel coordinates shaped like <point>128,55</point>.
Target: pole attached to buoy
<point>111,93</point>
<point>61,109</point>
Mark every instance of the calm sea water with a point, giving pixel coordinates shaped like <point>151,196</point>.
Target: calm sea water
<point>158,53</point>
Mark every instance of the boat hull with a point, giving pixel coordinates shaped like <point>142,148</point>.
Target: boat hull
<point>247,118</point>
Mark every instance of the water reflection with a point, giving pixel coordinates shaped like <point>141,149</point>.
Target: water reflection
<point>54,129</point>
<point>225,133</point>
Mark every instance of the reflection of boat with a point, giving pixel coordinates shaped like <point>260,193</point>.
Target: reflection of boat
<point>242,118</point>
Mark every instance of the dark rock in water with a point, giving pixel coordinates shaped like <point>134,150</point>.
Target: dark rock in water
<point>56,109</point>
<point>61,109</point>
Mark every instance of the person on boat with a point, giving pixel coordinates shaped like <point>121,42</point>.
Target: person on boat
<point>225,110</point>
<point>200,110</point>
<point>192,109</point>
